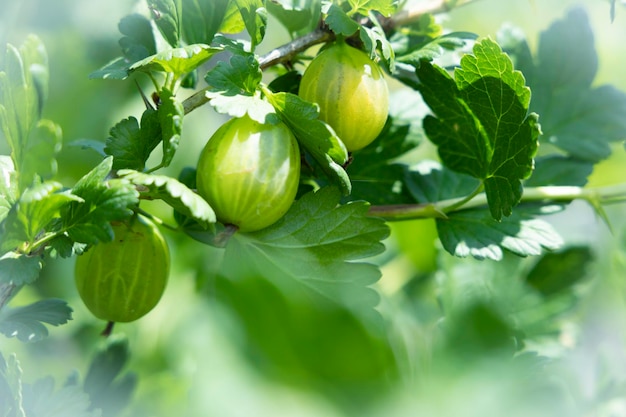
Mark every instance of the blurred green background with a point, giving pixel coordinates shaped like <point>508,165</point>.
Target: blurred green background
<point>190,356</point>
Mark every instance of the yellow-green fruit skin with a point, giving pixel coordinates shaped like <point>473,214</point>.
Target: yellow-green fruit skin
<point>122,280</point>
<point>249,173</point>
<point>351,92</point>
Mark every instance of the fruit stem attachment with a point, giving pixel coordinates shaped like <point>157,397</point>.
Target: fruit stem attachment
<point>108,330</point>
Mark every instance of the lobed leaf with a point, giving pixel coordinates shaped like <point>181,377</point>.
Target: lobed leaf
<point>138,41</point>
<point>18,269</point>
<point>174,193</point>
<point>313,135</point>
<point>338,20</point>
<point>578,117</point>
<point>11,401</point>
<point>131,145</point>
<point>27,322</point>
<point>103,201</point>
<point>481,126</point>
<point>233,88</point>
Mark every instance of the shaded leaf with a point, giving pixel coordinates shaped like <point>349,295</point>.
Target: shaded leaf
<point>170,114</point>
<point>108,389</point>
<point>375,176</point>
<point>313,135</point>
<point>481,126</point>
<point>296,16</point>
<point>475,233</point>
<point>202,19</point>
<point>174,193</point>
<point>577,116</point>
<point>8,186</point>
<point>429,182</point>
<point>19,269</point>
<point>557,272</point>
<point>42,400</point>
<point>559,170</point>
<point>138,40</point>
<point>167,16</point>
<point>254,17</point>
<point>11,403</point>
<point>26,323</point>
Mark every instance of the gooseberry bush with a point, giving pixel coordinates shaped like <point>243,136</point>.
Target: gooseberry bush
<point>372,118</point>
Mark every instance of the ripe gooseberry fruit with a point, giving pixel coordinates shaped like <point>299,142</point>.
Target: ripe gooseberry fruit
<point>351,92</point>
<point>122,280</point>
<point>249,173</point>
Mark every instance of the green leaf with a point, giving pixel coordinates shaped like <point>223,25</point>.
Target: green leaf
<point>338,21</point>
<point>103,201</point>
<point>170,113</point>
<point>254,17</point>
<point>481,126</point>
<point>375,177</point>
<point>41,399</point>
<point>8,186</point>
<point>557,272</point>
<point>138,40</point>
<point>559,170</point>
<point>33,213</point>
<point>364,7</point>
<point>233,88</point>
<point>178,61</point>
<point>233,22</point>
<point>23,90</point>
<point>130,145</point>
<point>296,16</point>
<point>174,193</point>
<point>319,262</point>
<point>167,16</point>
<point>19,269</point>
<point>475,233</point>
<point>431,49</point>
<point>202,19</point>
<point>108,389</point>
<point>313,135</point>
<point>26,323</point>
<point>579,117</point>
<point>322,325</point>
<point>429,182</point>
<point>11,404</point>
<point>375,37</point>
<point>137,43</point>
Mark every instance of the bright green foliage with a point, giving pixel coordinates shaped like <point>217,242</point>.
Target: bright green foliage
<point>23,91</point>
<point>167,15</point>
<point>233,88</point>
<point>174,193</point>
<point>481,126</point>
<point>338,20</point>
<point>131,145</point>
<point>384,7</point>
<point>314,136</point>
<point>178,61</point>
<point>87,221</point>
<point>202,19</point>
<point>171,115</point>
<point>26,323</point>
